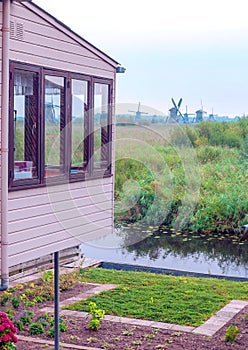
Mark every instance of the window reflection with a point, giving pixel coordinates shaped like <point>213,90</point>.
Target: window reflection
<point>25,124</point>
<point>101,125</point>
<point>54,126</point>
<point>79,126</point>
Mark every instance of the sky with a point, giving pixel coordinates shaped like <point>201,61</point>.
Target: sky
<point>196,50</point>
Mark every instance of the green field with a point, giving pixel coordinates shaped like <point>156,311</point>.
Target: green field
<point>189,177</point>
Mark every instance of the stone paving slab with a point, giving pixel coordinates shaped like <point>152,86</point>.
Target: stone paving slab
<point>217,321</point>
<point>98,288</point>
<point>83,263</point>
<point>62,345</point>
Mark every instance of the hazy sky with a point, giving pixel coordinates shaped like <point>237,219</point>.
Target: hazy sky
<point>194,49</point>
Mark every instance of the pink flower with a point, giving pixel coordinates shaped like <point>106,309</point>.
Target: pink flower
<point>13,328</point>
<point>14,339</point>
<point>2,328</point>
<point>6,325</point>
<point>6,338</point>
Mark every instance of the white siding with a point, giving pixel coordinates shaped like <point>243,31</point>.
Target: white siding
<point>48,219</point>
<point>49,44</point>
<point>63,215</point>
<point>0,117</point>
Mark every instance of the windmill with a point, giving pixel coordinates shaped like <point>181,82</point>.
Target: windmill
<point>199,114</point>
<point>175,113</point>
<point>211,116</point>
<point>186,116</point>
<point>138,112</point>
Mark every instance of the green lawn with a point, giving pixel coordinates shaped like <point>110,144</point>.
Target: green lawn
<point>179,300</point>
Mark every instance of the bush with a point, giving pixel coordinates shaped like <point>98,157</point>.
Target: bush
<point>231,333</point>
<point>62,327</point>
<point>7,333</point>
<point>96,314</point>
<point>208,154</point>
<point>36,328</point>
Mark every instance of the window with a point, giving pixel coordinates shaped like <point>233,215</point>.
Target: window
<point>79,126</point>
<point>54,112</point>
<point>102,128</point>
<point>59,126</point>
<point>24,126</point>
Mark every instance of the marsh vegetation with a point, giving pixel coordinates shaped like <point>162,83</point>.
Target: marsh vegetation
<point>188,177</point>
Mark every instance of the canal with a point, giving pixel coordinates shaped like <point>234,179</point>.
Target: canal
<point>162,248</point>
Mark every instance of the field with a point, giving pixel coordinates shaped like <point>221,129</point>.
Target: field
<point>189,177</point>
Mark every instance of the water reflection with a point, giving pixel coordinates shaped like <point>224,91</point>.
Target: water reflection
<point>161,247</point>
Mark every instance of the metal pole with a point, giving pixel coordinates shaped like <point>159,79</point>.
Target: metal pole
<point>56,300</point>
<point>4,144</point>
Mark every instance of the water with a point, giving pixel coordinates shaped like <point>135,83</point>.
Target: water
<point>163,248</point>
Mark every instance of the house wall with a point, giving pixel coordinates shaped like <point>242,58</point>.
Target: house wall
<point>38,40</point>
<point>0,117</point>
<point>48,219</point>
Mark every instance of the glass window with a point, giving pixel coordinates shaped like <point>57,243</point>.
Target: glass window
<point>59,126</point>
<point>54,125</point>
<point>79,126</point>
<point>101,125</point>
<point>25,125</point>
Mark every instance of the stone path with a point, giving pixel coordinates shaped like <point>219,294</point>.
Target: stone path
<point>217,321</point>
<point>49,342</point>
<point>209,328</point>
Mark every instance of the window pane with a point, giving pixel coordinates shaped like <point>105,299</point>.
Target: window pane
<point>25,124</point>
<point>101,127</point>
<point>79,126</point>
<point>54,126</point>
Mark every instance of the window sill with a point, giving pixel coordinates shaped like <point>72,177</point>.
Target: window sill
<point>58,181</point>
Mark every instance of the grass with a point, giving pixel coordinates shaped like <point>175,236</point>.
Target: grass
<point>179,300</point>
<point>192,177</point>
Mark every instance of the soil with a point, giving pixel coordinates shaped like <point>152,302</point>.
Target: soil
<point>119,336</point>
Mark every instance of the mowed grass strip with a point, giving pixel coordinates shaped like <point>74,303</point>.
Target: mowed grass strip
<point>180,300</point>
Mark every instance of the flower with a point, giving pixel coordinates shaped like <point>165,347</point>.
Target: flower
<point>6,338</point>
<point>7,332</point>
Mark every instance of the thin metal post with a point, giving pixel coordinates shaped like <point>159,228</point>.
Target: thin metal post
<point>56,300</point>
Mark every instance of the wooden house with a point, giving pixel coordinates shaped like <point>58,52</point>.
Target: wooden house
<point>57,97</point>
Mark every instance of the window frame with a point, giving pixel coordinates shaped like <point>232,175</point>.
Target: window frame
<point>64,176</point>
<point>22,182</point>
<point>68,176</point>
<point>81,175</point>
<point>107,171</point>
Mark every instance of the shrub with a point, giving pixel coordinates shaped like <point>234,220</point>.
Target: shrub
<point>231,333</point>
<point>62,327</point>
<point>96,315</point>
<point>67,281</point>
<point>36,328</point>
<point>208,154</point>
<point>7,333</point>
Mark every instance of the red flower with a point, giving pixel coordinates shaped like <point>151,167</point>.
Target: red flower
<point>6,338</point>
<point>14,339</point>
<point>7,330</point>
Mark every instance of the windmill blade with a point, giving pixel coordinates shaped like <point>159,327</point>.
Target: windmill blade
<point>180,114</point>
<point>180,102</point>
<point>139,107</point>
<point>174,103</point>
